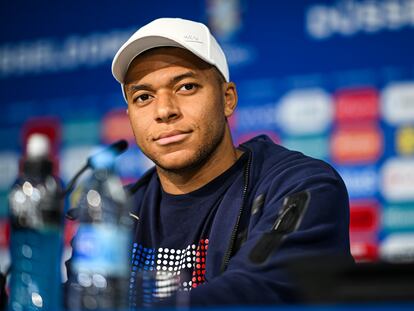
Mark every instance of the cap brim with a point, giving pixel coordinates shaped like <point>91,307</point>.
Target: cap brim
<point>132,49</point>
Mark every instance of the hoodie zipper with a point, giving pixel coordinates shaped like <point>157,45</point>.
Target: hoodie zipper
<point>229,251</point>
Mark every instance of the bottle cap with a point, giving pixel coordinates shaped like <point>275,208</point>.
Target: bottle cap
<point>37,162</point>
<point>38,146</point>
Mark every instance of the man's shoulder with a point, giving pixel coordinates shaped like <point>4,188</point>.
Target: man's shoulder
<point>271,160</point>
<point>266,150</point>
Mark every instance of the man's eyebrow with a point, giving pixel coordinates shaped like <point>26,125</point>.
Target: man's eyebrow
<point>139,87</point>
<point>149,87</point>
<point>189,74</point>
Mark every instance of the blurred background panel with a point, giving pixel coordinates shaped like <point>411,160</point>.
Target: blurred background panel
<point>332,79</point>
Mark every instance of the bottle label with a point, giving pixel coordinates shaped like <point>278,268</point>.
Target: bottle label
<point>36,270</point>
<point>101,248</point>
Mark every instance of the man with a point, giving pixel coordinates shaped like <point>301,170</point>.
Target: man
<point>205,207</point>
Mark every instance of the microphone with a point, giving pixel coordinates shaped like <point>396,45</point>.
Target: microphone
<point>119,146</point>
<point>114,149</point>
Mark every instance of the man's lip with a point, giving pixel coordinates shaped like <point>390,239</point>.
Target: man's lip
<point>171,137</point>
<point>169,134</point>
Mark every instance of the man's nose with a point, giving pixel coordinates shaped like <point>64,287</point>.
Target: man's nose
<point>166,108</point>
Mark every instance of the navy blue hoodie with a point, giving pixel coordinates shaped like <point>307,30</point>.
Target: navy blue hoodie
<point>273,172</point>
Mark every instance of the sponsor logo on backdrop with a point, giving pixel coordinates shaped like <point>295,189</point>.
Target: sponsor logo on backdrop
<point>239,54</point>
<point>116,126</point>
<point>348,18</point>
<point>397,179</point>
<point>4,242</point>
<point>52,55</point>
<point>361,182</point>
<point>363,251</point>
<point>81,132</point>
<point>357,145</point>
<point>9,169</point>
<point>356,105</point>
<point>225,21</point>
<point>398,217</point>
<point>405,140</point>
<point>363,230</point>
<point>398,247</point>
<point>253,118</point>
<point>397,103</point>
<point>364,216</point>
<point>4,234</point>
<point>305,112</point>
<point>224,18</point>
<point>363,233</point>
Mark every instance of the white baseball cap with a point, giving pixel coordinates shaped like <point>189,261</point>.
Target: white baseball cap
<point>175,32</point>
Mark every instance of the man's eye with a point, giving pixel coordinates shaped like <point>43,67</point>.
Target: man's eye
<point>142,97</point>
<point>188,87</point>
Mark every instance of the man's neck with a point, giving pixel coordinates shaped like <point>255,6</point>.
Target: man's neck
<point>187,181</point>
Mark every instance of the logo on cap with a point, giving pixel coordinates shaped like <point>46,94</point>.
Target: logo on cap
<point>192,38</point>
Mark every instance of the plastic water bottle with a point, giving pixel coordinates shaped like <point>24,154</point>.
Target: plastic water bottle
<point>98,272</point>
<point>36,218</point>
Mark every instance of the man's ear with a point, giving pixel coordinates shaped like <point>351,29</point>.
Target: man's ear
<point>230,98</point>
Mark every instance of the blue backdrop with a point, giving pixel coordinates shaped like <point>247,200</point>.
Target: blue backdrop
<point>333,79</point>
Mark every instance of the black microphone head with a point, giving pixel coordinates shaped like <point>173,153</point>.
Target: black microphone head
<point>119,146</point>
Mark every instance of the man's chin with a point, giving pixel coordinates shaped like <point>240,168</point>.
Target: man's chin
<point>174,163</point>
<point>173,168</point>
